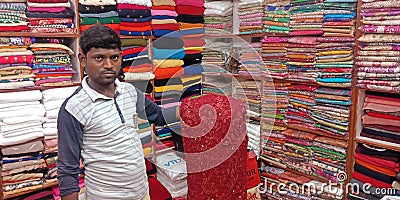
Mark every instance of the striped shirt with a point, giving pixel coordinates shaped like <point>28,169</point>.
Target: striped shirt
<point>100,130</point>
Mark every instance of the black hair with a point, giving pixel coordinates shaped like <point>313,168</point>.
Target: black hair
<point>99,36</point>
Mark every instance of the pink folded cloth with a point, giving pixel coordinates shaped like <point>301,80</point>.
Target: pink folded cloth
<point>49,9</point>
<point>197,3</point>
<point>164,12</point>
<point>129,6</point>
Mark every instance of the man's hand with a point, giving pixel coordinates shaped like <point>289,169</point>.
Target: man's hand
<point>73,196</point>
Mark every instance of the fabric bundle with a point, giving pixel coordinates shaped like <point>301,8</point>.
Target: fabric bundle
<point>172,174</point>
<point>251,13</point>
<point>377,167</point>
<point>250,60</point>
<point>16,61</point>
<point>249,91</point>
<point>217,84</point>
<point>306,17</point>
<point>21,142</point>
<point>188,12</point>
<point>380,120</point>
<point>51,17</point>
<point>274,50</point>
<point>52,63</point>
<point>215,53</point>
<point>302,100</point>
<point>339,18</point>
<point>164,20</point>
<point>218,17</point>
<point>13,16</point>
<point>135,17</point>
<point>277,17</point>
<point>104,12</point>
<point>146,136</point>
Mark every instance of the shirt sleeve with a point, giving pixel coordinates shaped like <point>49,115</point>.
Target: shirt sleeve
<point>149,110</point>
<point>69,151</point>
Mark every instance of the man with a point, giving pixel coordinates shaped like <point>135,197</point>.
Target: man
<point>98,125</point>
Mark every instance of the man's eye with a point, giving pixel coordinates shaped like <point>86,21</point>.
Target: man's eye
<point>98,58</point>
<point>114,58</point>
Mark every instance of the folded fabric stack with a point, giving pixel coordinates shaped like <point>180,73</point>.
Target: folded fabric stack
<point>339,18</point>
<point>104,12</point>
<point>146,136</point>
<point>136,65</point>
<point>381,121</point>
<point>378,58</point>
<point>302,100</point>
<point>218,17</point>
<point>51,17</point>
<point>249,91</point>
<point>16,62</point>
<point>272,146</point>
<point>52,62</point>
<point>301,59</point>
<point>21,141</point>
<point>273,53</point>
<point>377,167</point>
<point>217,84</point>
<point>38,194</point>
<point>164,19</point>
<point>250,60</point>
<point>335,59</point>
<point>13,17</point>
<point>277,16</point>
<point>190,18</point>
<point>331,111</point>
<point>251,14</point>
<point>171,172</point>
<point>215,55</point>
<point>306,17</point>
<point>135,17</point>
<point>88,19</point>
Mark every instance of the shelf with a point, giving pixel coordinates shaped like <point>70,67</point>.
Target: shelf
<point>44,185</point>
<point>315,132</point>
<point>29,34</point>
<point>383,91</point>
<point>378,143</point>
<point>38,88</point>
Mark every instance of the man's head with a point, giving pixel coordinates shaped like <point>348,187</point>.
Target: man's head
<point>101,55</point>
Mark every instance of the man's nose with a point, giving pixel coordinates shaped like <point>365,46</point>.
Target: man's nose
<point>108,64</point>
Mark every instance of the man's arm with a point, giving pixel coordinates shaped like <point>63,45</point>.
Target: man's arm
<point>69,147</point>
<point>149,110</point>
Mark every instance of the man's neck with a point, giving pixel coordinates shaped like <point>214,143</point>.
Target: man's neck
<point>106,90</point>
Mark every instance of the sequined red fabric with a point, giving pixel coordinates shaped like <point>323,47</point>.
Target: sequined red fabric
<point>215,142</point>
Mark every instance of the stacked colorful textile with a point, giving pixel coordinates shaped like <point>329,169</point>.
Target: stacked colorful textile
<point>135,17</point>
<point>248,90</point>
<point>52,62</point>
<point>217,84</point>
<point>250,60</point>
<point>21,142</point>
<point>339,18</point>
<point>381,121</point>
<point>377,167</point>
<point>306,17</point>
<point>301,102</point>
<point>274,51</point>
<point>172,174</point>
<point>104,12</point>
<point>301,59</point>
<point>251,13</point>
<point>215,55</point>
<point>218,17</point>
<point>164,18</point>
<point>54,17</point>
<point>146,136</point>
<point>16,62</point>
<point>277,16</point>
<point>378,60</point>
<point>13,17</point>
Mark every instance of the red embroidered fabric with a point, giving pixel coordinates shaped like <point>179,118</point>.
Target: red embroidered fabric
<point>215,143</point>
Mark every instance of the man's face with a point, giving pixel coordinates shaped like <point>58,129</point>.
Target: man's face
<point>102,65</point>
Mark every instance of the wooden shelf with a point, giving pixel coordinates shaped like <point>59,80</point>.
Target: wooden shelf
<point>44,185</point>
<point>29,34</point>
<point>378,143</point>
<point>37,88</point>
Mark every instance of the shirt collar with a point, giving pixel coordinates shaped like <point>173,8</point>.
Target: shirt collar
<point>94,95</point>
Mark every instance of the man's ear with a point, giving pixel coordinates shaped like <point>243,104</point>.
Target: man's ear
<point>82,60</point>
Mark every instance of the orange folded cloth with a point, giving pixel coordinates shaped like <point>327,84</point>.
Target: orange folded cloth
<point>164,73</point>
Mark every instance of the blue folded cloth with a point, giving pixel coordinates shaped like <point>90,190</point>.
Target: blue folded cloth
<point>192,31</point>
<point>163,17</point>
<point>143,19</point>
<point>168,53</point>
<point>167,33</point>
<point>193,69</point>
<point>135,33</point>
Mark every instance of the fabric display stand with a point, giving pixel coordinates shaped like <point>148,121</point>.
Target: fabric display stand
<point>274,50</point>
<point>215,53</point>
<point>376,166</point>
<point>16,19</point>
<point>92,12</point>
<point>228,127</point>
<point>218,17</point>
<point>135,17</point>
<point>164,19</point>
<point>277,17</point>
<point>16,63</point>
<point>52,62</point>
<point>251,14</point>
<point>378,57</point>
<point>50,17</point>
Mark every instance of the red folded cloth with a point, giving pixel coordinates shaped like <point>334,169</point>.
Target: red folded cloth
<point>193,42</point>
<point>129,6</point>
<point>189,10</point>
<point>135,24</point>
<point>170,26</point>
